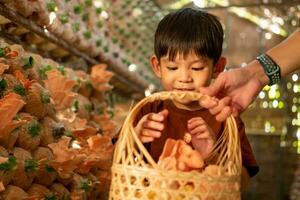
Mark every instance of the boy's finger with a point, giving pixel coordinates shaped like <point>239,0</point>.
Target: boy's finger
<point>146,139</point>
<point>151,133</point>
<point>156,117</point>
<point>149,124</point>
<point>165,113</point>
<point>198,130</point>
<point>195,119</point>
<point>203,135</point>
<point>194,124</point>
<point>221,105</point>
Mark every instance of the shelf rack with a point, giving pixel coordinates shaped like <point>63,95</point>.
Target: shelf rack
<point>123,81</point>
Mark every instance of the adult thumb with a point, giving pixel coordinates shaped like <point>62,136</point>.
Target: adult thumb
<point>213,89</point>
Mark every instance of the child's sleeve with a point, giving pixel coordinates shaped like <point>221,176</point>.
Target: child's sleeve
<point>248,158</point>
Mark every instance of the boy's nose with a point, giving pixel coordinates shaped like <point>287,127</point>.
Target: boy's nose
<point>185,77</point>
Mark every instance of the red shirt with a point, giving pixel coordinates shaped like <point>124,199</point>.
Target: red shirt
<point>176,126</point>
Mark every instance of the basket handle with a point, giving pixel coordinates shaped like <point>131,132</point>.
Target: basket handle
<point>130,150</point>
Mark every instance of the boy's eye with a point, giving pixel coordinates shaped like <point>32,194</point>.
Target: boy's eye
<point>197,68</point>
<point>172,68</point>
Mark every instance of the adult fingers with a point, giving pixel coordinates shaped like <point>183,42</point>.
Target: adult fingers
<point>208,102</point>
<point>216,87</point>
<point>234,111</point>
<point>237,108</point>
<point>222,116</point>
<point>221,105</point>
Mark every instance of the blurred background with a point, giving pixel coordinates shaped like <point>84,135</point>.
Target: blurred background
<point>120,33</point>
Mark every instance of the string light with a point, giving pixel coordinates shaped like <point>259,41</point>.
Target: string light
<point>267,12</point>
<point>265,104</point>
<point>52,17</point>
<point>294,108</point>
<point>104,15</point>
<point>295,77</point>
<point>267,126</point>
<point>275,103</point>
<point>132,67</point>
<point>295,100</point>
<point>280,105</point>
<point>199,3</point>
<point>147,92</point>
<point>295,88</point>
<point>268,36</point>
<point>262,95</point>
<point>98,3</point>
<point>272,92</point>
<point>136,12</point>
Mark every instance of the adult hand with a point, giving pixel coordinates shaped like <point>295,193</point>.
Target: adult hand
<point>242,85</point>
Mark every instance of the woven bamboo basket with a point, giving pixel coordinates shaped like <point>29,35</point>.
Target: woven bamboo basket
<point>135,175</point>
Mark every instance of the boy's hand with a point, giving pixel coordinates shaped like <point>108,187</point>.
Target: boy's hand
<point>151,126</point>
<point>203,138</point>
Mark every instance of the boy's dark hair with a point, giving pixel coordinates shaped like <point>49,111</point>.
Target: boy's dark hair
<point>189,30</point>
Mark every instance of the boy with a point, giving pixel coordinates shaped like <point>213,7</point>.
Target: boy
<point>188,47</point>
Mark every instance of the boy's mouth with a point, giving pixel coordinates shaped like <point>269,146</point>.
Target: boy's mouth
<point>184,89</point>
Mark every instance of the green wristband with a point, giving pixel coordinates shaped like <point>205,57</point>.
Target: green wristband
<point>272,70</point>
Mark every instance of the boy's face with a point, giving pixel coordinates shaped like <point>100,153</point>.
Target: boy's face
<point>186,74</point>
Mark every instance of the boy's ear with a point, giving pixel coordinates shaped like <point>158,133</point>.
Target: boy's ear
<point>155,66</point>
<point>219,67</point>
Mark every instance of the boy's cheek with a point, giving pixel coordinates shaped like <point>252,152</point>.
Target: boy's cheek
<point>203,82</point>
<point>167,86</point>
